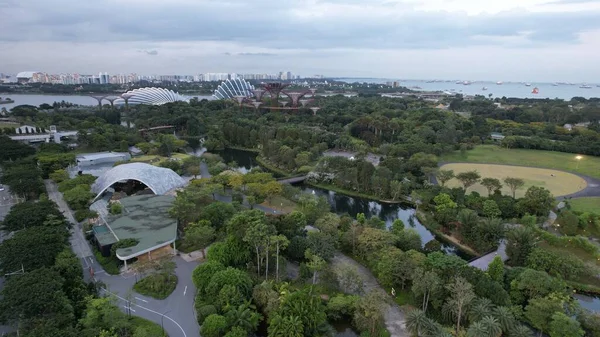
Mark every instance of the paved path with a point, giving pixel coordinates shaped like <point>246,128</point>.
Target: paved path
<point>176,312</point>
<point>484,261</point>
<point>394,317</point>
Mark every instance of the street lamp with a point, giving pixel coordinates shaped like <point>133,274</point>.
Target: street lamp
<point>578,160</point>
<point>161,321</point>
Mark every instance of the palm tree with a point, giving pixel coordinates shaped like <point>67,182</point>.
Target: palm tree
<point>286,327</point>
<point>417,322</point>
<point>480,308</point>
<point>504,317</point>
<point>244,316</point>
<point>492,326</point>
<point>477,329</point>
<point>461,296</point>
<point>468,219</point>
<point>521,331</point>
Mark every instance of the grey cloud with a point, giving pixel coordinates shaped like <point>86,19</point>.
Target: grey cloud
<point>270,25</point>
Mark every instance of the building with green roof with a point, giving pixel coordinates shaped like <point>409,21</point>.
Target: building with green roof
<point>144,218</point>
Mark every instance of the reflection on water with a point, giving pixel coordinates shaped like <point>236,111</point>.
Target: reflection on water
<point>245,160</point>
<point>588,302</point>
<point>344,204</point>
<point>343,329</point>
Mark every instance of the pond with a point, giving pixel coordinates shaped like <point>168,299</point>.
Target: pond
<point>591,303</point>
<point>344,204</point>
<point>245,160</point>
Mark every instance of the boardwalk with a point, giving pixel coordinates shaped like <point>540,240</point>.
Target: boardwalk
<point>484,261</point>
<point>293,180</point>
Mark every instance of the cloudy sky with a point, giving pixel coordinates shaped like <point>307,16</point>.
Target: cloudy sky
<point>520,40</point>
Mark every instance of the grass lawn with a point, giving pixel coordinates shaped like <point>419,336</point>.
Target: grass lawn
<point>494,154</point>
<point>159,285</point>
<point>591,204</point>
<point>580,253</point>
<point>280,203</point>
<point>156,159</point>
<point>9,125</point>
<point>558,182</point>
<point>153,329</point>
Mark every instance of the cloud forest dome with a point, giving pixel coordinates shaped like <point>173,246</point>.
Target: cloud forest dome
<point>232,88</point>
<point>151,95</point>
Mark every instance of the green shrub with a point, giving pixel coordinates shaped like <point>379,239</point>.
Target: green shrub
<point>122,244</point>
<point>341,307</point>
<point>82,214</point>
<point>204,311</point>
<point>110,265</point>
<point>159,285</point>
<point>115,208</point>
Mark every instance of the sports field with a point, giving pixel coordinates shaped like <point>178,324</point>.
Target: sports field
<point>493,154</point>
<point>590,204</point>
<point>558,182</point>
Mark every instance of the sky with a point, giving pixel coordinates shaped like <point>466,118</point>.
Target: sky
<point>508,40</point>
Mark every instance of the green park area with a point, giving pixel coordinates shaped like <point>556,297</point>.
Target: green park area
<point>590,204</point>
<point>492,154</point>
<point>156,159</point>
<point>559,183</point>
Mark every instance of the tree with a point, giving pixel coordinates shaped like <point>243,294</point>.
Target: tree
<point>540,312</point>
<point>202,275</point>
<point>369,313</point>
<point>496,269</point>
<point>468,178</point>
<point>236,331</point>
<point>349,279</point>
<point>461,295</point>
<point>243,316</point>
<point>59,176</point>
<point>565,326</point>
<point>257,235</point>
<point>443,176</point>
<point>491,209</point>
<point>491,184</point>
<point>32,248</point>
<point>491,326</point>
<point>30,214</point>
<point>199,234</point>
<point>537,201</point>
<point>371,240</point>
<point>425,283</point>
<point>78,197</point>
<point>417,322</point>
<point>521,331</point>
<point>520,243</point>
<point>315,264</point>
<point>288,326</point>
<point>514,184</point>
<point>36,294</point>
<point>280,242</point>
<point>214,326</point>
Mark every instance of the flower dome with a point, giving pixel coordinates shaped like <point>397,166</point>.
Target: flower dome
<point>231,88</point>
<point>153,96</point>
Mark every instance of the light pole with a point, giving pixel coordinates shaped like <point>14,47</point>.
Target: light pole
<point>162,321</point>
<point>578,160</point>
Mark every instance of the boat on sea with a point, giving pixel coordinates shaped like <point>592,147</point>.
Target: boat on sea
<point>499,83</point>
<point>535,91</point>
<point>527,84</point>
<point>585,86</point>
<point>466,83</point>
<point>555,84</point>
<point>484,88</point>
<point>459,82</point>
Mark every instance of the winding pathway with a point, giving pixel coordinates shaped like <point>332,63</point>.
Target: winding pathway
<point>395,320</point>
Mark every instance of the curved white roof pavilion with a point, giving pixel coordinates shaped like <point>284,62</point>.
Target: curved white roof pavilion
<point>159,179</point>
<point>151,95</point>
<point>232,88</point>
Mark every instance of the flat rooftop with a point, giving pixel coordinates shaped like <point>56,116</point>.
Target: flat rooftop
<point>100,155</point>
<point>146,219</point>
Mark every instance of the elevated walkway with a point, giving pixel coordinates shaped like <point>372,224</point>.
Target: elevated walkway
<point>484,261</point>
<point>293,180</point>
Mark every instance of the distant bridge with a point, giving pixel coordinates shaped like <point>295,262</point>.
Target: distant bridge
<point>44,137</point>
<point>292,180</point>
<point>483,262</point>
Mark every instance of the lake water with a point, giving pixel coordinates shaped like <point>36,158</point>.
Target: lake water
<point>344,204</point>
<point>37,100</point>
<point>508,89</point>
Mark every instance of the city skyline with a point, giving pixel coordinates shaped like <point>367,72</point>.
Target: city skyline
<point>513,40</point>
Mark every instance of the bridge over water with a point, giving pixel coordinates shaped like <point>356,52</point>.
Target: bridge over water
<point>292,180</point>
<point>484,261</point>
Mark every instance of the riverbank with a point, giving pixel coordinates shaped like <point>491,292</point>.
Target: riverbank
<point>356,194</point>
<point>264,163</point>
<point>446,238</point>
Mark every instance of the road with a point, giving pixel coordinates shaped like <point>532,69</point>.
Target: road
<point>176,312</point>
<point>395,320</point>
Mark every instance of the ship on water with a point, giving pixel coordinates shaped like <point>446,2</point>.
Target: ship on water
<point>527,84</point>
<point>535,91</point>
<point>585,86</point>
<point>499,83</point>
